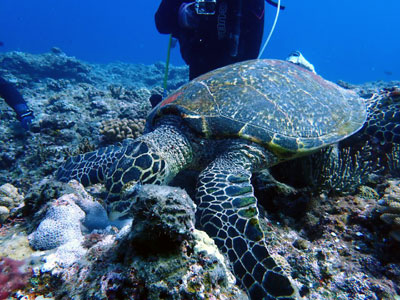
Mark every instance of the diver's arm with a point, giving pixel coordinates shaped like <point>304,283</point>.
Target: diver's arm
<point>15,100</point>
<point>12,97</point>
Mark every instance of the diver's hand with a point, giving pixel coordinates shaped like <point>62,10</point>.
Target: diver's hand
<point>26,119</point>
<point>187,16</point>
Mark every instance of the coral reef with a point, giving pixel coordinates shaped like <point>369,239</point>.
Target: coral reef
<point>12,276</point>
<point>14,242</point>
<point>55,64</point>
<point>61,225</point>
<point>4,213</point>
<point>338,251</point>
<point>9,199</point>
<point>335,247</point>
<point>65,256</point>
<point>37,198</point>
<point>163,216</point>
<point>70,99</point>
<point>65,217</point>
<point>116,130</point>
<point>165,259</point>
<point>389,207</point>
<point>95,214</point>
<point>195,270</point>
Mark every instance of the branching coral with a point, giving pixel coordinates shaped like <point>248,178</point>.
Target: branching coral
<point>84,146</point>
<point>119,92</point>
<point>12,276</point>
<point>393,160</point>
<point>116,130</point>
<point>116,91</point>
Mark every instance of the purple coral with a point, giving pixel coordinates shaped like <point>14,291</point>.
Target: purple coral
<point>12,277</point>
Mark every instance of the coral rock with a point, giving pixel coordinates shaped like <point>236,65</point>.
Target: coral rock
<point>95,214</point>
<point>162,216</point>
<point>196,270</point>
<point>63,257</point>
<point>9,196</point>
<point>4,214</point>
<point>9,199</point>
<point>389,206</point>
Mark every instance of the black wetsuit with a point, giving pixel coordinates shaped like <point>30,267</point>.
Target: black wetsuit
<point>210,45</point>
<point>13,98</point>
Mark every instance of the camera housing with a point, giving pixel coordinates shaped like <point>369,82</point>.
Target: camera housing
<point>205,7</point>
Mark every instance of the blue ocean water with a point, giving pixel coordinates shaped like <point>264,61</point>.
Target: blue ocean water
<point>356,41</point>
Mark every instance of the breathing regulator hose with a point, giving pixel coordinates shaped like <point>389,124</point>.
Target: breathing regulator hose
<point>278,8</point>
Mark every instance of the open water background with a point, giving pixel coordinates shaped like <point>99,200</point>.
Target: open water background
<point>356,41</point>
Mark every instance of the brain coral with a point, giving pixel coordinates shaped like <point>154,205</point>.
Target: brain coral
<point>61,224</point>
<point>116,130</point>
<point>66,217</point>
<point>9,199</point>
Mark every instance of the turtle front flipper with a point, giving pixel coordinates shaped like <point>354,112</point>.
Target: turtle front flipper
<point>227,211</point>
<point>91,167</point>
<point>155,157</point>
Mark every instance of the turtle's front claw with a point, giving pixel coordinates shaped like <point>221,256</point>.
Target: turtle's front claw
<point>268,181</point>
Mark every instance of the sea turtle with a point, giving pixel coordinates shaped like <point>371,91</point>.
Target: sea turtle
<point>230,122</point>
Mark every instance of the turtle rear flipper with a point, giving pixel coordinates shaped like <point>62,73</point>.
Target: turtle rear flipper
<point>227,211</point>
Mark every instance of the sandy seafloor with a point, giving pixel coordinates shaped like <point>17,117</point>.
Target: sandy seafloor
<point>334,247</point>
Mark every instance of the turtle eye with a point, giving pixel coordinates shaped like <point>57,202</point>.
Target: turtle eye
<point>295,53</point>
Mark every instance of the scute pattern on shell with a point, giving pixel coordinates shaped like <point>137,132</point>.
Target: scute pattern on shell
<point>274,103</point>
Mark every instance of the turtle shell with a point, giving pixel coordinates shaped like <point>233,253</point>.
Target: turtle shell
<point>275,103</point>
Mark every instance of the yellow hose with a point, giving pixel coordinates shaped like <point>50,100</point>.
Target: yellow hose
<point>167,66</point>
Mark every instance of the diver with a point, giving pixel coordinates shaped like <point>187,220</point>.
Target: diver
<point>213,33</point>
<point>15,100</point>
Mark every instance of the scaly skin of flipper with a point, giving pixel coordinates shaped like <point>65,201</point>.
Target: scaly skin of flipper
<point>91,167</point>
<point>154,158</point>
<point>227,211</point>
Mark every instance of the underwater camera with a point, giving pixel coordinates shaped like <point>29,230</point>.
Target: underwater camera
<point>205,7</point>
